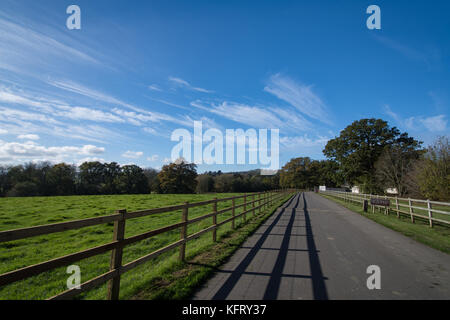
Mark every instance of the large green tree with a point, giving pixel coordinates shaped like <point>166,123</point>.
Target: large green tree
<point>296,173</point>
<point>91,177</point>
<point>178,178</point>
<point>5,183</point>
<point>61,178</point>
<point>304,173</point>
<point>132,180</point>
<point>111,173</point>
<point>205,183</point>
<point>359,146</point>
<point>152,178</point>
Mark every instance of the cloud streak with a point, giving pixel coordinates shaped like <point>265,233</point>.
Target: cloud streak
<point>183,83</point>
<point>132,154</point>
<point>32,151</point>
<point>430,57</point>
<point>302,97</point>
<point>23,48</point>
<point>434,124</point>
<point>257,116</point>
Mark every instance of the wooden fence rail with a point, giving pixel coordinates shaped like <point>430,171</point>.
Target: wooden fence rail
<point>401,206</point>
<point>119,242</point>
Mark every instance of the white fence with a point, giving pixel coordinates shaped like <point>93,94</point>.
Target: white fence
<point>433,211</point>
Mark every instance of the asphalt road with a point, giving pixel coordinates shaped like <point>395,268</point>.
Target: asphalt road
<point>312,248</point>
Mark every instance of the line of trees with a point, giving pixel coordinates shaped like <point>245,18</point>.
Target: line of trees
<point>90,178</point>
<point>249,181</point>
<point>95,178</point>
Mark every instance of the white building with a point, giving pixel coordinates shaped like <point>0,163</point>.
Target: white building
<point>392,191</point>
<point>355,189</point>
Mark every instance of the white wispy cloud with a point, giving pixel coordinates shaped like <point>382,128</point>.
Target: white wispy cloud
<point>302,97</point>
<point>28,137</point>
<point>55,108</point>
<point>298,142</point>
<point>16,116</point>
<point>389,112</point>
<point>153,158</point>
<point>154,87</point>
<point>24,47</point>
<point>257,116</point>
<point>30,150</point>
<point>207,123</point>
<point>150,130</point>
<point>17,121</point>
<point>93,133</point>
<point>433,124</point>
<point>184,83</point>
<point>133,154</point>
<point>138,114</point>
<point>137,118</point>
<point>436,123</point>
<point>170,103</point>
<point>77,88</point>
<point>10,97</point>
<point>82,113</point>
<point>429,56</point>
<point>53,114</point>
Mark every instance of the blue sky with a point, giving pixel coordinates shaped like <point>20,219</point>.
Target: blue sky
<point>137,70</point>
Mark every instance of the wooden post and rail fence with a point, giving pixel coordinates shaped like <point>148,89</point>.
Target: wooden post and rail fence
<point>413,208</point>
<point>119,242</point>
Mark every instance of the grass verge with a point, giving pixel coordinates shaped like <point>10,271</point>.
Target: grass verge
<point>437,237</point>
<point>181,280</point>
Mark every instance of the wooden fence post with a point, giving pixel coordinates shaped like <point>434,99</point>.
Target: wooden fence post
<point>411,211</point>
<point>183,234</point>
<point>265,200</point>
<point>396,207</point>
<point>430,214</point>
<point>233,212</point>
<point>259,202</point>
<point>373,207</point>
<point>386,209</point>
<point>215,219</point>
<point>116,255</point>
<point>244,216</point>
<point>253,204</point>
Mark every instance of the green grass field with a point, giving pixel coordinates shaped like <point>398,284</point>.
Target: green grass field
<point>25,212</point>
<point>437,237</point>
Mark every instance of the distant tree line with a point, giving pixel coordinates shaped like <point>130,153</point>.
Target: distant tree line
<point>90,178</point>
<point>249,181</point>
<point>95,178</point>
